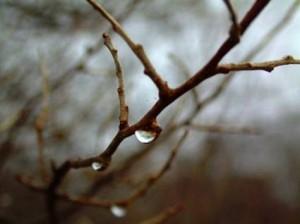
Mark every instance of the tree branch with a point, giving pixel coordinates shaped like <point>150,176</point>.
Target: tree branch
<point>137,49</point>
<point>209,69</point>
<point>267,66</point>
<point>123,117</point>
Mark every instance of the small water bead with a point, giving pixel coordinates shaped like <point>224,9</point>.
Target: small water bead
<point>97,166</point>
<point>145,137</point>
<point>118,211</point>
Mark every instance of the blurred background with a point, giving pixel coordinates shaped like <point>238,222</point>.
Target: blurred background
<point>240,162</point>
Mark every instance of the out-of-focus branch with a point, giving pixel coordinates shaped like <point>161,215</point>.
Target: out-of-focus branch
<point>267,66</point>
<point>42,118</point>
<point>123,117</point>
<point>267,39</point>
<point>137,49</point>
<point>185,71</point>
<point>224,129</point>
<point>164,215</point>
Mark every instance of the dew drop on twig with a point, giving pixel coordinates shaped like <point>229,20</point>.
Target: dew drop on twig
<point>97,166</point>
<point>146,137</point>
<point>118,211</point>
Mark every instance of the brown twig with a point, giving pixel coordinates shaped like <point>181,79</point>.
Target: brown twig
<point>123,117</point>
<point>267,66</point>
<point>137,49</point>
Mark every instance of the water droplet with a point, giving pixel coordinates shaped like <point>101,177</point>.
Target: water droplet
<point>145,136</point>
<point>118,211</point>
<point>97,166</point>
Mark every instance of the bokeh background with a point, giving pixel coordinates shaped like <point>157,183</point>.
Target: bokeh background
<point>219,175</point>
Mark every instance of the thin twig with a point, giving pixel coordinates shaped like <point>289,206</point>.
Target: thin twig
<point>267,66</point>
<point>137,49</point>
<point>123,117</point>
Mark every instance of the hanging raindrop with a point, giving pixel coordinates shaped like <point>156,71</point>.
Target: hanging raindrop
<point>145,137</point>
<point>118,211</point>
<point>97,166</point>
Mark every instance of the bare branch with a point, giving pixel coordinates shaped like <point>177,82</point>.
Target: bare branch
<point>209,69</point>
<point>267,66</point>
<point>123,117</point>
<point>137,49</point>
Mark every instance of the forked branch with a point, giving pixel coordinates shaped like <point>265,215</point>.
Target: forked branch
<point>137,49</point>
